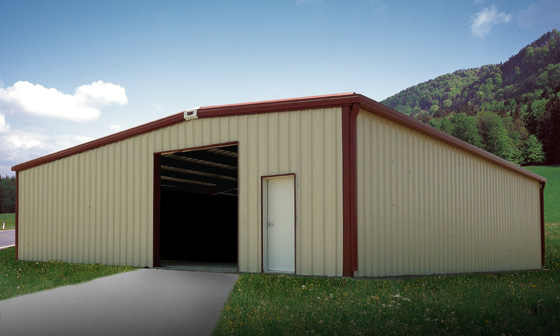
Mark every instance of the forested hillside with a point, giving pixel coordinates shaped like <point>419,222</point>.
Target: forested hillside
<point>7,194</point>
<point>510,109</point>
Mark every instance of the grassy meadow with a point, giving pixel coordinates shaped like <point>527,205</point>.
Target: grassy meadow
<point>551,191</point>
<point>9,219</point>
<point>514,303</point>
<point>24,277</point>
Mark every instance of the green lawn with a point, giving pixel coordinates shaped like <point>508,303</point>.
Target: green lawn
<point>551,191</point>
<point>9,219</point>
<point>515,303</point>
<point>23,277</point>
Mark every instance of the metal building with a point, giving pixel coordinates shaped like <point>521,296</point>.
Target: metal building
<point>335,185</point>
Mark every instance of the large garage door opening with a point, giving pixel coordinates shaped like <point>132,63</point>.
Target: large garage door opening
<point>199,209</point>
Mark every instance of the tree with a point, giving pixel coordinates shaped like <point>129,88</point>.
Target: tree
<point>532,150</point>
<point>497,79</point>
<point>517,73</point>
<point>495,137</point>
<point>486,121</point>
<point>529,53</point>
<point>551,129</point>
<point>7,195</point>
<point>434,109</point>
<point>465,129</point>
<point>532,121</point>
<point>443,124</point>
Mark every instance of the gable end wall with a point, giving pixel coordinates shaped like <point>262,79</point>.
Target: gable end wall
<point>425,207</point>
<point>97,206</point>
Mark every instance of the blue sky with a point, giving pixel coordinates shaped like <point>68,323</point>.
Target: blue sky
<point>74,71</point>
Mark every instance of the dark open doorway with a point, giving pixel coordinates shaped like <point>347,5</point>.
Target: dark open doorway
<point>197,225</point>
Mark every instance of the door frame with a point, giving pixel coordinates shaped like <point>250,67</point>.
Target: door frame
<point>157,196</point>
<point>264,218</point>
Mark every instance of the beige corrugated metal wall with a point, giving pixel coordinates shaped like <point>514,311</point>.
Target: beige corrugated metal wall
<point>425,207</point>
<point>97,206</point>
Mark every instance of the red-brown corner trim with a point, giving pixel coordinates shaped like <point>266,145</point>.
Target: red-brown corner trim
<point>349,190</point>
<point>17,212</point>
<point>354,185</point>
<point>157,209</point>
<point>542,223</point>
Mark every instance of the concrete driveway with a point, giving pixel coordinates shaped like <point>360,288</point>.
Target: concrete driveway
<point>7,238</point>
<point>141,302</point>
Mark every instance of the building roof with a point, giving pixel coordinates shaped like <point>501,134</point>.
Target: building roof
<point>334,100</point>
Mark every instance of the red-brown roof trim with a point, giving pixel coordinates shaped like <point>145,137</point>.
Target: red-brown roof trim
<point>334,100</point>
<point>203,112</point>
<point>167,121</point>
<point>303,103</point>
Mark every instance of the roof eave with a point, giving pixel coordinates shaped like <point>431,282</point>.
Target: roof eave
<point>163,122</point>
<point>203,112</point>
<point>313,102</point>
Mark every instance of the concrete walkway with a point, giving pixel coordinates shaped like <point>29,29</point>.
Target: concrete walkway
<point>141,302</point>
<point>7,238</point>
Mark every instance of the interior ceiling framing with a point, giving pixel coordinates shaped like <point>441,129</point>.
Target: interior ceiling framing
<point>209,171</point>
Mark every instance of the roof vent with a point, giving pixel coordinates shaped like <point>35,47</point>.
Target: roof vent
<point>191,113</point>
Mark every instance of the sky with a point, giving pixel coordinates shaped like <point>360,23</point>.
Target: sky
<point>76,70</point>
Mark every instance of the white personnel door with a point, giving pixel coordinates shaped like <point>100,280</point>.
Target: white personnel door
<point>279,224</point>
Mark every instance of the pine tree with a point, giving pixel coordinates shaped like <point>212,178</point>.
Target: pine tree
<point>551,131</point>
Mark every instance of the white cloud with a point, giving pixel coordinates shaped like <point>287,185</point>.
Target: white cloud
<point>483,21</point>
<point>103,93</point>
<point>4,127</point>
<point>19,146</point>
<point>82,106</point>
<point>115,127</point>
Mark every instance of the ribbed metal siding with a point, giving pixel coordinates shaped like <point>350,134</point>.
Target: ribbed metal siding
<point>96,206</point>
<point>425,207</point>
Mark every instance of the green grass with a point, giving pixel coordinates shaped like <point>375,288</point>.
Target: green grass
<point>551,191</point>
<point>9,219</point>
<point>515,303</point>
<point>23,277</point>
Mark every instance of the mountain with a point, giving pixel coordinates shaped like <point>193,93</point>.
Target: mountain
<point>513,106</point>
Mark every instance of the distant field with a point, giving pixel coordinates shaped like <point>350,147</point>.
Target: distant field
<point>551,191</point>
<point>9,219</point>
